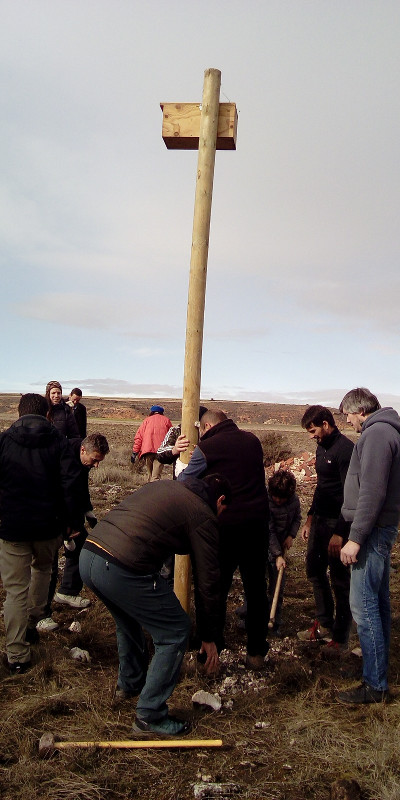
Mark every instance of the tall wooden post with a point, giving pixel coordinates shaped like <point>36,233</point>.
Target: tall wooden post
<point>180,130</point>
<point>197,290</point>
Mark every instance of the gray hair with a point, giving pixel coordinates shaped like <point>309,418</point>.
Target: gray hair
<point>359,401</point>
<point>96,443</point>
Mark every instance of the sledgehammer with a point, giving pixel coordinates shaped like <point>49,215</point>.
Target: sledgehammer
<point>48,745</point>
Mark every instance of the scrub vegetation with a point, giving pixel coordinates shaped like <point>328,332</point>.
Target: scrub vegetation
<point>285,736</point>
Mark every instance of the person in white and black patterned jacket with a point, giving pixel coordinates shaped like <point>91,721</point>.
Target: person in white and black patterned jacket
<point>175,443</point>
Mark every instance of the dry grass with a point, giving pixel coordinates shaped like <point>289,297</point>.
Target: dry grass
<point>285,736</point>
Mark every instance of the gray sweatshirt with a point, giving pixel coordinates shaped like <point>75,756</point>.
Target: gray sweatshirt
<point>372,486</point>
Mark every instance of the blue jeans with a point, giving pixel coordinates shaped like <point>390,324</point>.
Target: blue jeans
<point>137,602</point>
<point>370,604</point>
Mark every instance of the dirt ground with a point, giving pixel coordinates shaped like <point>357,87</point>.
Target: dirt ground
<point>284,735</point>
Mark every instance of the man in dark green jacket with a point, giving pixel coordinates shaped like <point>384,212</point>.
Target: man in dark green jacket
<point>121,562</point>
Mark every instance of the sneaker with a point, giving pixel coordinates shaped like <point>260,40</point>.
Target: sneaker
<point>333,650</point>
<point>73,600</point>
<point>363,694</point>
<point>120,696</point>
<point>16,668</point>
<point>317,633</point>
<point>170,726</point>
<point>32,636</point>
<point>255,663</point>
<point>47,624</point>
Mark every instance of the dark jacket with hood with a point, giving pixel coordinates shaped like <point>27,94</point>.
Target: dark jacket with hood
<point>160,519</point>
<point>238,456</point>
<point>372,487</point>
<point>284,521</point>
<point>39,481</point>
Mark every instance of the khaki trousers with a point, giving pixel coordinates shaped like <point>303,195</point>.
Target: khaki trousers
<point>25,571</point>
<point>154,467</point>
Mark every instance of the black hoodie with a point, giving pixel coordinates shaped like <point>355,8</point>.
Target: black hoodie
<point>39,481</point>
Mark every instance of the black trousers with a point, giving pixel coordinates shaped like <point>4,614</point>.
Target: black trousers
<point>71,582</point>
<point>328,591</point>
<point>245,546</point>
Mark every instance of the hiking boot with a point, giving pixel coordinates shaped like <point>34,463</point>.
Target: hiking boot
<point>255,663</point>
<point>47,624</point>
<point>333,650</point>
<point>32,636</point>
<point>317,633</point>
<point>73,600</point>
<point>169,726</point>
<point>16,668</point>
<point>363,694</point>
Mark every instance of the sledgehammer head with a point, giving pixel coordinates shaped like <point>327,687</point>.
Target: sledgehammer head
<point>46,745</point>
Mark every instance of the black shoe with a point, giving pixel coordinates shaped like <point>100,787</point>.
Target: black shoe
<point>18,669</point>
<point>168,727</point>
<point>32,636</point>
<point>363,694</point>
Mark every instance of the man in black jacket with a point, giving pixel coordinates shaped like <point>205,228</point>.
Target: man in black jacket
<point>325,532</point>
<point>238,455</point>
<point>121,562</point>
<point>39,500</point>
<point>78,411</point>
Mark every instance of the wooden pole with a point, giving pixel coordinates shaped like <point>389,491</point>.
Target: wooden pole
<point>197,290</point>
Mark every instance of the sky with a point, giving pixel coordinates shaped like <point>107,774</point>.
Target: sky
<point>96,214</point>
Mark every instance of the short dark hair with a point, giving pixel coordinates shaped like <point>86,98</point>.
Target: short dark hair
<point>78,392</point>
<point>317,415</point>
<point>33,404</point>
<point>282,484</point>
<point>213,416</point>
<point>359,401</point>
<point>96,442</point>
<point>217,486</point>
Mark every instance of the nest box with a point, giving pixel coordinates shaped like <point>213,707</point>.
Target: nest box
<point>181,126</point>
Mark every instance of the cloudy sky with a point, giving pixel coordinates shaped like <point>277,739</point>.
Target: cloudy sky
<point>303,291</point>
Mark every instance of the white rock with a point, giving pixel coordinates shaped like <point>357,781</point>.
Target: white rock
<point>207,790</point>
<point>79,655</point>
<point>202,698</point>
<point>75,627</point>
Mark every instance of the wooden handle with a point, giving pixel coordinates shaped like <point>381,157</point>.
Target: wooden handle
<point>132,744</point>
<point>276,592</point>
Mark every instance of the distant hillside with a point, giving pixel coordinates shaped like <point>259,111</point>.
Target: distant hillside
<point>242,412</point>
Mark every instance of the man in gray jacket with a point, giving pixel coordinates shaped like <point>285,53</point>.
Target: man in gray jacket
<point>372,505</point>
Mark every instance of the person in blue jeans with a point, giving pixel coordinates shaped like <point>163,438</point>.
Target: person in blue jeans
<point>121,561</point>
<point>372,505</point>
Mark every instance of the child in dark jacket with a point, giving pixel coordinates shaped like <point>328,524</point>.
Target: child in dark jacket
<point>285,519</point>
